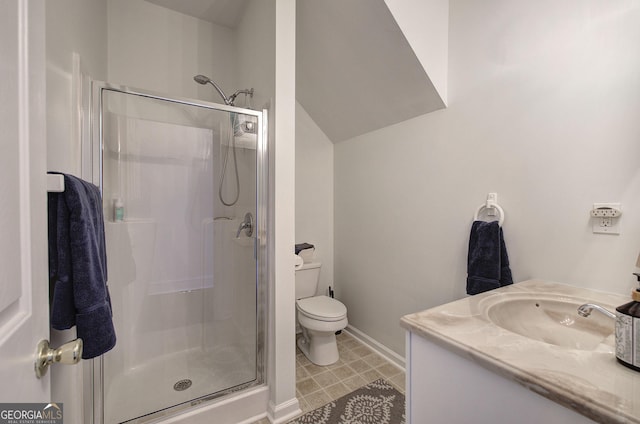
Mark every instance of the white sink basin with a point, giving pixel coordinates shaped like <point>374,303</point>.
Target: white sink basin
<point>548,318</point>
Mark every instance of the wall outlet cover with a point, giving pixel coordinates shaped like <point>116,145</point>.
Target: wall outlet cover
<point>606,218</point>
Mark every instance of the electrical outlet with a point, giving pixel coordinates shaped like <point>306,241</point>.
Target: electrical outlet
<point>605,212</point>
<point>606,218</point>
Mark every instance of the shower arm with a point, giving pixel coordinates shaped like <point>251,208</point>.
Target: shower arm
<point>203,79</point>
<point>227,101</point>
<point>246,92</point>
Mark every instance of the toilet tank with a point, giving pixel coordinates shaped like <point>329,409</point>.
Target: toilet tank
<point>307,277</point>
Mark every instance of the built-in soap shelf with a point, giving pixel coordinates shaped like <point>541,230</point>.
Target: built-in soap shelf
<point>132,221</point>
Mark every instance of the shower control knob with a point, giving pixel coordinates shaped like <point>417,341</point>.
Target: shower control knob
<point>69,354</point>
<point>246,225</point>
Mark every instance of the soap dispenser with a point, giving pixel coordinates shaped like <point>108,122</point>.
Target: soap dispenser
<point>118,210</point>
<point>628,331</point>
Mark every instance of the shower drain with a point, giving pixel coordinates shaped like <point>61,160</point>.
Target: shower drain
<point>182,385</point>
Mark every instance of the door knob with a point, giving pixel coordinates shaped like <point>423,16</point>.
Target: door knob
<point>69,353</point>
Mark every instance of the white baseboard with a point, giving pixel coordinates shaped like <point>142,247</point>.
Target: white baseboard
<point>377,347</point>
<point>284,411</point>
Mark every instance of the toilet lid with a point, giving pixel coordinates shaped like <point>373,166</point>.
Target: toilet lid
<point>322,308</point>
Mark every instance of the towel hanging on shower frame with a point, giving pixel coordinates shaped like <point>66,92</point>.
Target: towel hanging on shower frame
<point>55,183</point>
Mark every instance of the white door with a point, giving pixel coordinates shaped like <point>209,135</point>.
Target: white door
<point>24,282</point>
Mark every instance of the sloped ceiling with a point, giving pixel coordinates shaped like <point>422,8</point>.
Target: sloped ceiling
<point>220,12</point>
<point>355,70</point>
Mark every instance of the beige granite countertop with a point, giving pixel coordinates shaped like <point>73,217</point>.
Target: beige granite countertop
<point>590,382</point>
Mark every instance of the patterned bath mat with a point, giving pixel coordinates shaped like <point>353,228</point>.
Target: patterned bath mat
<point>376,403</point>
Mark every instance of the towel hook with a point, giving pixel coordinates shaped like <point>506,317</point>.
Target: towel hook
<point>491,205</point>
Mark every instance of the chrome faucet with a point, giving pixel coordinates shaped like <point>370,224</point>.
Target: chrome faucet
<point>246,225</point>
<point>586,309</point>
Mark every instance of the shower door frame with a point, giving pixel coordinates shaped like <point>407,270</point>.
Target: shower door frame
<point>95,381</point>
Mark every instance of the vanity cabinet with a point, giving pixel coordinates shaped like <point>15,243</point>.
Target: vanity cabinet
<point>444,387</point>
<point>465,366</point>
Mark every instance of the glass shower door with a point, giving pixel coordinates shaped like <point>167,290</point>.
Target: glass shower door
<point>179,183</point>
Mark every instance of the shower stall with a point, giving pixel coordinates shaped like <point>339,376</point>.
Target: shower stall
<point>184,195</point>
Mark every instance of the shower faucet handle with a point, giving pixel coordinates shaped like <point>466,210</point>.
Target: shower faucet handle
<point>246,225</point>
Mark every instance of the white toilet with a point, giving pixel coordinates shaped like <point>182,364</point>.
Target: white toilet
<point>319,317</point>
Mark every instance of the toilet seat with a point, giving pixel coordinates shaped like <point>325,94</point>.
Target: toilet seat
<point>322,308</point>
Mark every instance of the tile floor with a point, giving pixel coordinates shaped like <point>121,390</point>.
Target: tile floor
<point>358,365</point>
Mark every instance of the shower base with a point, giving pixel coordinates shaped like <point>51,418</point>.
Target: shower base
<point>149,388</point>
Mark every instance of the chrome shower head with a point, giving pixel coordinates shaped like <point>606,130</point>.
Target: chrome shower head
<point>202,79</point>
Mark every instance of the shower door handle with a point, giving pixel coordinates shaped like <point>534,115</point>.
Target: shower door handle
<point>69,354</point>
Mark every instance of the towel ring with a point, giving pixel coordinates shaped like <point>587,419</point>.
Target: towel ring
<point>493,206</point>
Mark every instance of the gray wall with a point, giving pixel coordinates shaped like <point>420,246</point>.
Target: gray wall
<point>543,106</point>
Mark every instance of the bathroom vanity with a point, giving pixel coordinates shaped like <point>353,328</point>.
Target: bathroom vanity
<point>521,354</point>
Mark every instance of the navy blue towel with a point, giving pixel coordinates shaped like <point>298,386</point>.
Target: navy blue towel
<point>487,261</point>
<point>78,266</point>
<point>302,246</point>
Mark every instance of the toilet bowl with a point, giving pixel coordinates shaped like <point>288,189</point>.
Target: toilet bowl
<point>319,317</point>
